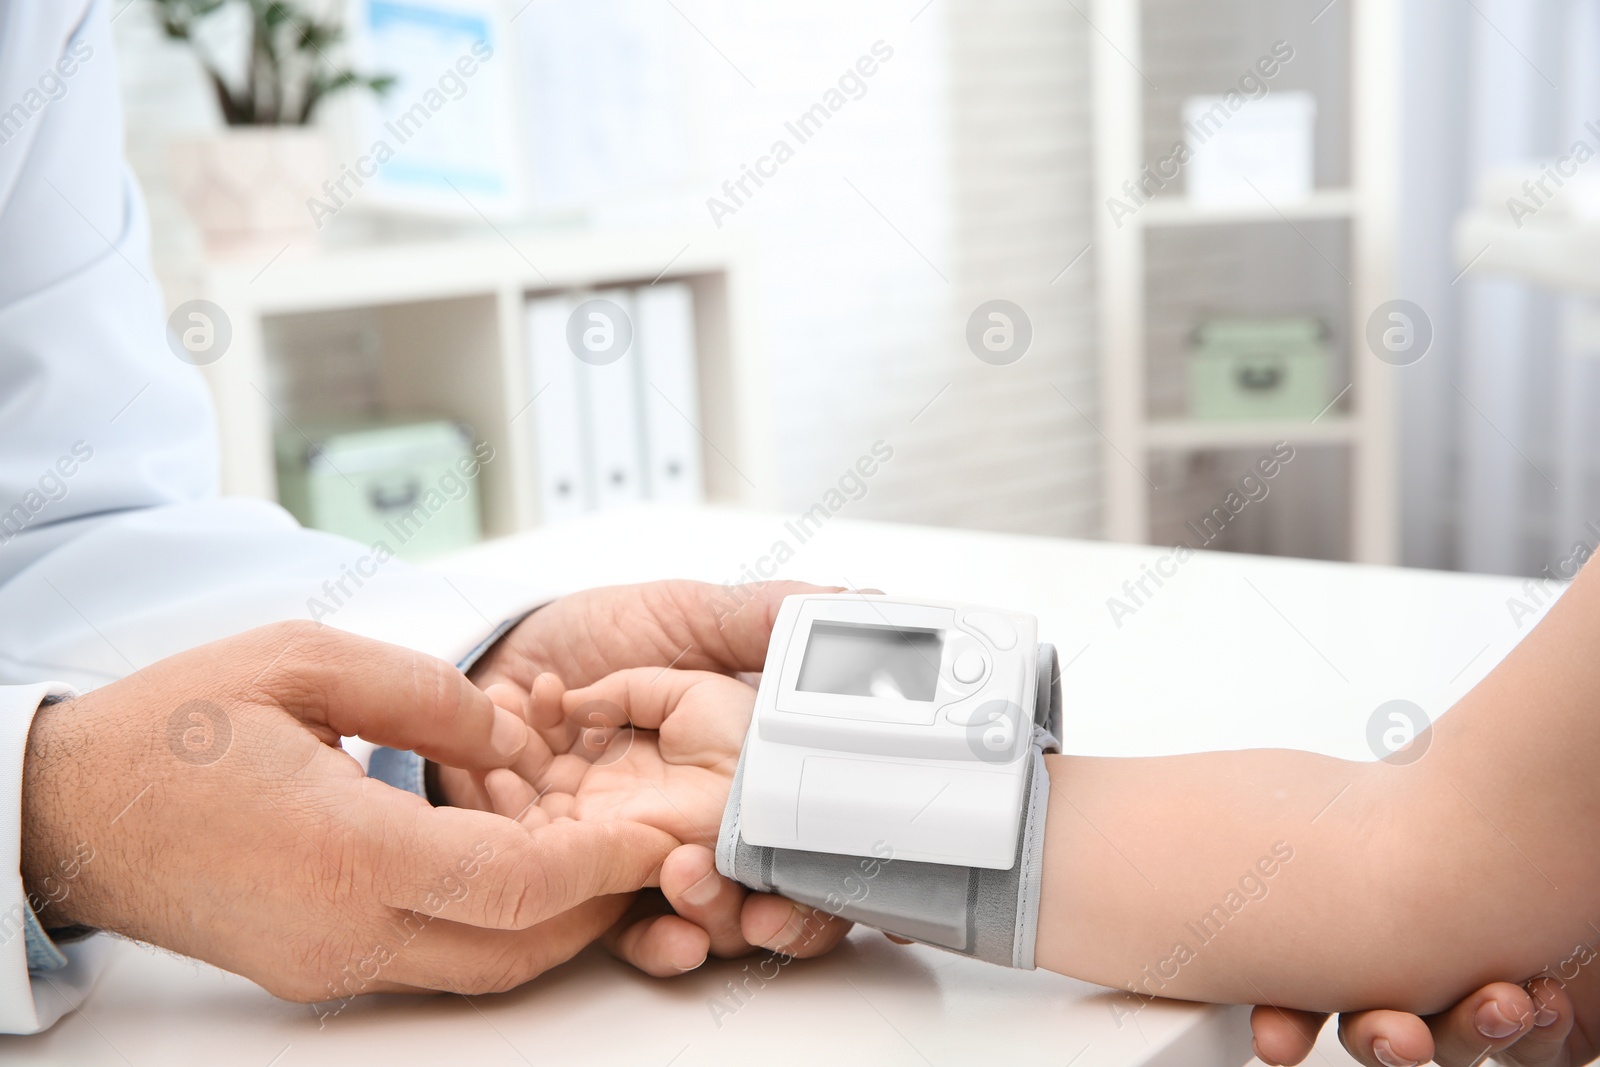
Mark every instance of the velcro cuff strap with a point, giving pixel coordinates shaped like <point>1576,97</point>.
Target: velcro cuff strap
<point>987,914</point>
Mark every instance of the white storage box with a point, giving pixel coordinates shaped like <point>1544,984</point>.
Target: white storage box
<point>1236,142</point>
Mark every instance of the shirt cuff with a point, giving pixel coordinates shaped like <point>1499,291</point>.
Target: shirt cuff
<point>44,947</point>
<point>43,955</point>
<point>43,952</point>
<point>401,769</point>
<point>41,978</point>
<point>407,770</point>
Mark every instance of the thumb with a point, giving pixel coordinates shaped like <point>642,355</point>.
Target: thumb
<point>390,696</point>
<point>733,624</point>
<point>526,876</point>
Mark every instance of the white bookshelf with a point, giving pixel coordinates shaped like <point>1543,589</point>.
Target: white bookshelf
<point>1556,251</point>
<point>1199,433</point>
<point>448,316</point>
<point>1362,420</point>
<point>1179,211</point>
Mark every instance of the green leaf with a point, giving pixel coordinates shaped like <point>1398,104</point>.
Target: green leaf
<point>179,16</point>
<point>290,69</point>
<point>275,15</point>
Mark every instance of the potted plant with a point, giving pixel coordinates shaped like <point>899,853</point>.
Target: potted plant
<point>247,186</point>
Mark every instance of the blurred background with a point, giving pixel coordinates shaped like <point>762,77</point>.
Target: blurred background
<point>1307,279</point>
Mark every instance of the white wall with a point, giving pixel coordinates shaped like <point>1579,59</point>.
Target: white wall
<point>961,176</point>
<point>164,96</point>
<point>1012,447</point>
<point>968,157</point>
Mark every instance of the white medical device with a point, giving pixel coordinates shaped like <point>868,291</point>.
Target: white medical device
<point>898,730</point>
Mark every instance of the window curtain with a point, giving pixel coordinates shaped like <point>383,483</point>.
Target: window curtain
<point>1497,426</point>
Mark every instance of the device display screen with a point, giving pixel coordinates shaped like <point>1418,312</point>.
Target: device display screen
<point>857,660</point>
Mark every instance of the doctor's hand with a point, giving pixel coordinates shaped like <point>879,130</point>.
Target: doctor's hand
<point>204,805</point>
<point>586,636</point>
<point>1548,1022</point>
<point>657,747</point>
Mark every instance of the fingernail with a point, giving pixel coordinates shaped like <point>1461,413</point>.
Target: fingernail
<point>778,941</point>
<point>510,733</point>
<point>1385,1054</point>
<point>702,892</point>
<point>1544,1016</point>
<point>686,967</point>
<point>1492,1022</point>
<point>796,932</point>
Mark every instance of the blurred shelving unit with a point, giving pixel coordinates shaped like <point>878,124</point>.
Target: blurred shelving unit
<point>1359,420</point>
<point>1197,433</point>
<point>1557,251</point>
<point>1177,211</point>
<point>439,329</point>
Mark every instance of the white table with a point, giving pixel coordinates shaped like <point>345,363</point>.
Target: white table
<point>1230,652</point>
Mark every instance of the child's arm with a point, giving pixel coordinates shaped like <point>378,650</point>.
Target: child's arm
<point>1409,886</point>
<point>1295,879</point>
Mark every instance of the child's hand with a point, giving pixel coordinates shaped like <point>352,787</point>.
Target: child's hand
<point>657,747</point>
<point>643,745</point>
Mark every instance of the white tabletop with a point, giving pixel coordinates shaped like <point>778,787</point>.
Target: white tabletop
<point>1229,652</point>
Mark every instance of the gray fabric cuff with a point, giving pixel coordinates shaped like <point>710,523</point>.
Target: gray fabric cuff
<point>987,914</point>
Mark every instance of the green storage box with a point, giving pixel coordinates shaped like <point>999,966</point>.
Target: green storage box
<point>1259,369</point>
<point>411,486</point>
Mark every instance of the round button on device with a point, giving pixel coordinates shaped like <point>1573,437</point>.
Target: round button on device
<point>968,667</point>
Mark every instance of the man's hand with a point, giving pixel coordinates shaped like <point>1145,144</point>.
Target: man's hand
<point>692,626</point>
<point>1546,1023</point>
<point>203,805</point>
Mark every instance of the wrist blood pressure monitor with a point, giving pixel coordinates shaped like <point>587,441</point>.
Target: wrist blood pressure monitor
<point>893,771</point>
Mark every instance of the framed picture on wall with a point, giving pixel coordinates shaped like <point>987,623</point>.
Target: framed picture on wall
<point>445,138</point>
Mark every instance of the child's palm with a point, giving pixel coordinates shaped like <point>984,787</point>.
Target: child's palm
<point>657,747</point>
<point>642,745</point>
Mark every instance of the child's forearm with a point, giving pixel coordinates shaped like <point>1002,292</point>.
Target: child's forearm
<point>1296,879</point>
<point>1245,877</point>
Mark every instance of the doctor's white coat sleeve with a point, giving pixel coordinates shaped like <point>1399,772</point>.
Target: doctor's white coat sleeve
<point>115,550</point>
